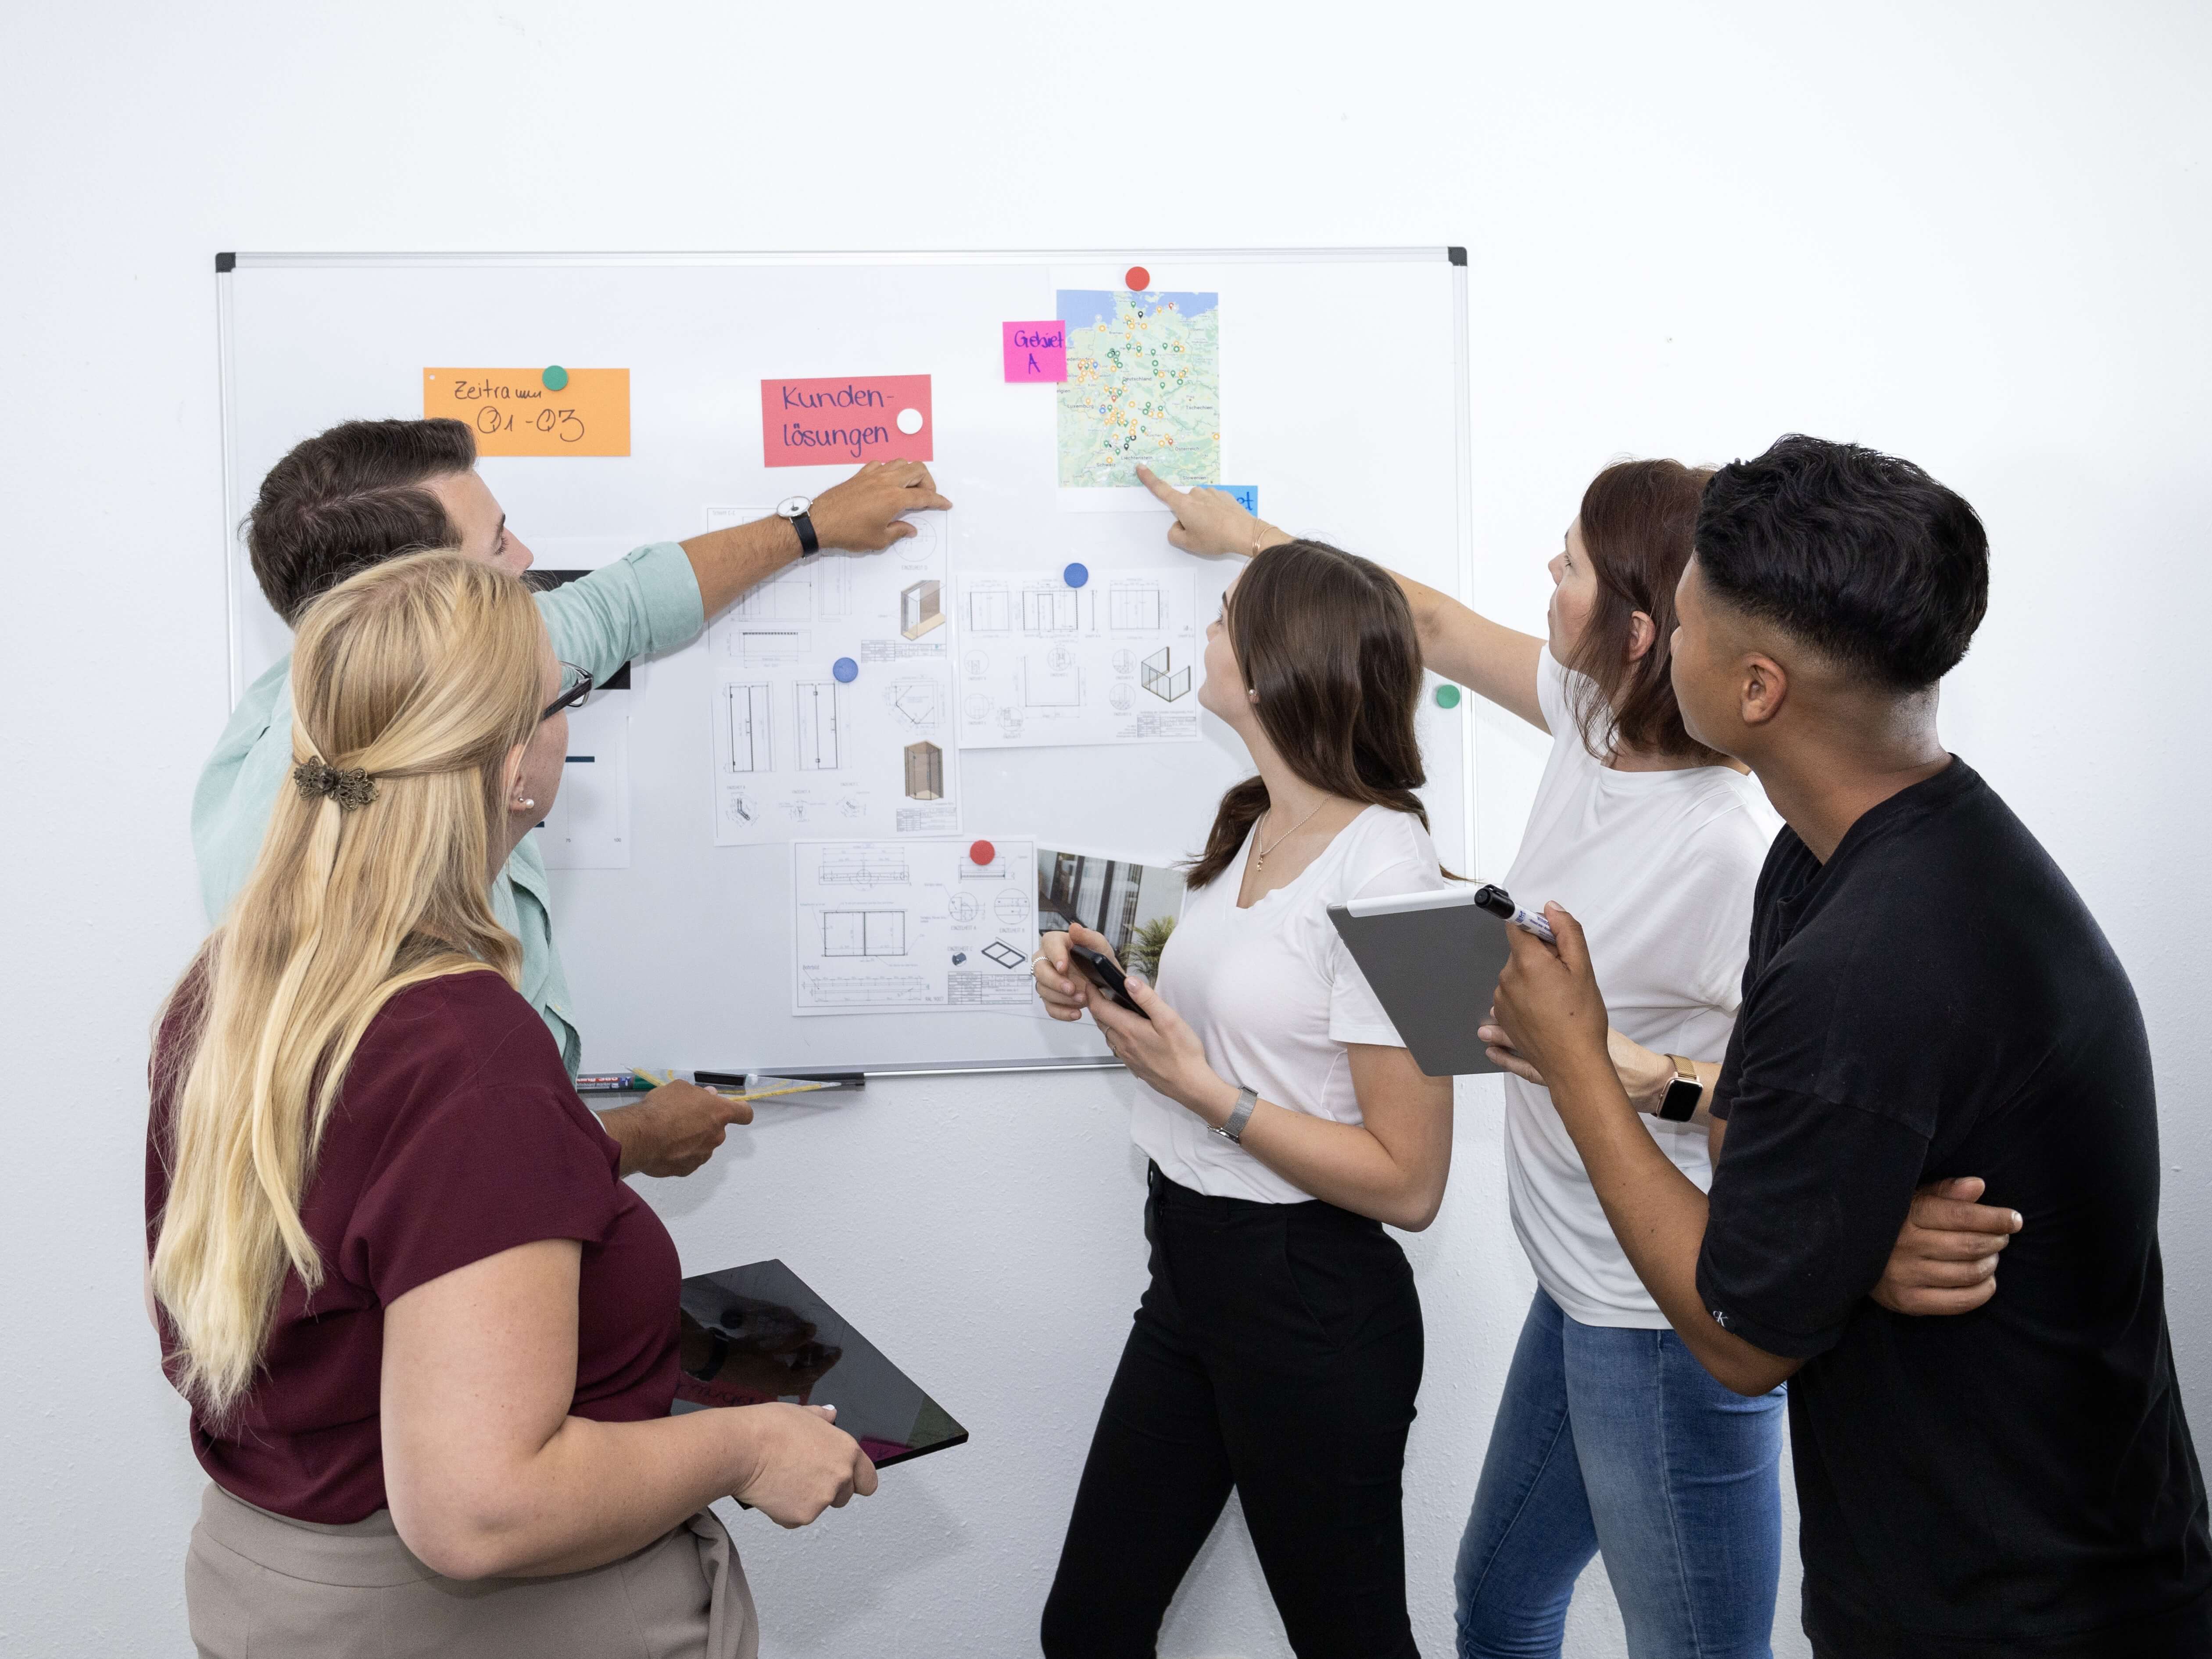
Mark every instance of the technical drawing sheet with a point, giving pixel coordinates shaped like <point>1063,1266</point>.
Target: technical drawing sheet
<point>912,926</point>
<point>587,827</point>
<point>833,695</point>
<point>1115,660</point>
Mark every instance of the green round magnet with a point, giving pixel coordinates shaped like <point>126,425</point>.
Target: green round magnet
<point>555,377</point>
<point>1448,697</point>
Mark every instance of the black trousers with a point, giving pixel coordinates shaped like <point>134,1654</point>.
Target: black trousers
<point>1278,1351</point>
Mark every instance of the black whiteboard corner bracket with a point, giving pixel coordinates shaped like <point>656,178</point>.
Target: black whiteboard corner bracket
<point>226,262</point>
<point>1456,255</point>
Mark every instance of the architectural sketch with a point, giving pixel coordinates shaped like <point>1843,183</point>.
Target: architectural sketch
<point>1044,688</point>
<point>885,927</point>
<point>752,744</point>
<point>920,607</point>
<point>588,825</point>
<point>858,864</point>
<point>864,932</point>
<point>925,772</point>
<point>990,610</point>
<point>1086,652</point>
<point>1135,608</point>
<point>822,678</point>
<point>767,641</point>
<point>917,705</point>
<point>1162,678</point>
<point>815,701</point>
<point>1051,609</point>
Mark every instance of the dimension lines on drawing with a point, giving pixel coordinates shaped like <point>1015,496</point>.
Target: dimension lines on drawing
<point>864,932</point>
<point>749,749</point>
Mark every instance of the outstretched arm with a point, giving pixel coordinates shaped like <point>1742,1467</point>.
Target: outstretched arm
<point>864,514</point>
<point>1458,643</point>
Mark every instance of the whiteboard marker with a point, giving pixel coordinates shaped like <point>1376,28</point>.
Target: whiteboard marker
<point>1499,903</point>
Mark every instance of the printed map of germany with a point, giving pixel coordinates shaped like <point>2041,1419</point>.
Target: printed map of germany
<point>1144,384</point>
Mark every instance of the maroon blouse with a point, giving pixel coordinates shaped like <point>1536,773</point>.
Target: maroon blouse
<point>457,1135</point>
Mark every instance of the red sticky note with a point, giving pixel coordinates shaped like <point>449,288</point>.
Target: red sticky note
<point>1036,351</point>
<point>844,420</point>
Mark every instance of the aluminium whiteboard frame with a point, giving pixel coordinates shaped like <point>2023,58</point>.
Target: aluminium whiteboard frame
<point>227,265</point>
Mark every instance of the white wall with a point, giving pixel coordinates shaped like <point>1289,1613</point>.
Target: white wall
<point>1975,235</point>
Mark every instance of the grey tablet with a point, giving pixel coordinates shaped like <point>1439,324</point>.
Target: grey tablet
<point>1434,959</point>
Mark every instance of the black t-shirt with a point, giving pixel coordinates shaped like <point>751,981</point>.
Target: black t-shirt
<point>1935,1000</point>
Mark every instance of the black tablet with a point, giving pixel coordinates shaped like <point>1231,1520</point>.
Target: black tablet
<point>751,1334</point>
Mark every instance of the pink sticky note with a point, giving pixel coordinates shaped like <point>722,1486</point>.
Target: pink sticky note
<point>1036,351</point>
<point>843,420</point>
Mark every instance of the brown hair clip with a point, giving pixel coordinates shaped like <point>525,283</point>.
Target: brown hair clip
<point>319,780</point>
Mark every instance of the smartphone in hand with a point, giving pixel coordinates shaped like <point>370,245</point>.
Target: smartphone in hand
<point>1100,969</point>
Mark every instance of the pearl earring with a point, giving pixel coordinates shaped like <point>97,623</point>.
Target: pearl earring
<point>1251,695</point>
<point>525,801</point>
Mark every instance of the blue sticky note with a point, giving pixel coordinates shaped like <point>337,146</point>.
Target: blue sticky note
<point>1075,575</point>
<point>1248,495</point>
<point>845,669</point>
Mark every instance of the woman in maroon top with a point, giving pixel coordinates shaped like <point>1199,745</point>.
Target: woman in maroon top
<point>428,1335</point>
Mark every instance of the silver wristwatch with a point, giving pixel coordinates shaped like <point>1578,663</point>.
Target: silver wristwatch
<point>1233,1130</point>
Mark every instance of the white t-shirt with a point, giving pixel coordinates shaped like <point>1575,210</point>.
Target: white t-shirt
<point>1659,867</point>
<point>1274,996</point>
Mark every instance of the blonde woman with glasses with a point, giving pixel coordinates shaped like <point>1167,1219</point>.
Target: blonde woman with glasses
<point>428,1335</point>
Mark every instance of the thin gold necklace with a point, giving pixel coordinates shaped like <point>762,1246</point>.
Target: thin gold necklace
<point>1259,858</point>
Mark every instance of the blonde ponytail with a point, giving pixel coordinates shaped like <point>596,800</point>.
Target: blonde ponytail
<point>412,684</point>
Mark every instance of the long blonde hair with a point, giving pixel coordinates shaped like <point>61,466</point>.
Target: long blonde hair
<point>424,673</point>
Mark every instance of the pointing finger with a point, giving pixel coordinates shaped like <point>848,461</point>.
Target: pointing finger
<point>1166,492</point>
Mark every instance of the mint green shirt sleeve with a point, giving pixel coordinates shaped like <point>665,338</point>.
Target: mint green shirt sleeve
<point>643,604</point>
<point>237,788</point>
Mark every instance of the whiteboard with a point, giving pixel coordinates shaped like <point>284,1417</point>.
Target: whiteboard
<point>1344,398</point>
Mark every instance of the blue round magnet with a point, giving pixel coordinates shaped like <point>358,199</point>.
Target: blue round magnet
<point>1075,575</point>
<point>845,670</point>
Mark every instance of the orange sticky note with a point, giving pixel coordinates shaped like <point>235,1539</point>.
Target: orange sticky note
<point>514,412</point>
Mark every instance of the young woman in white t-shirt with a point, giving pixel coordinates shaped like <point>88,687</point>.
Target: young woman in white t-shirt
<point>1277,1348</point>
<point>1610,1434</point>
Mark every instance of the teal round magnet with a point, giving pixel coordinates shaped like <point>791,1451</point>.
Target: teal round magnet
<point>845,670</point>
<point>1075,575</point>
<point>555,377</point>
<point>1448,697</point>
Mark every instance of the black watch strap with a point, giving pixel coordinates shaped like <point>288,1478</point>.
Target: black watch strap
<point>807,541</point>
<point>1679,1104</point>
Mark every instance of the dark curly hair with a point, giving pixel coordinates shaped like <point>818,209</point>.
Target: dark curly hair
<point>1860,555</point>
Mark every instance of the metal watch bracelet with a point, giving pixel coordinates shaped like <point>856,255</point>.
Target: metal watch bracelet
<point>1232,1130</point>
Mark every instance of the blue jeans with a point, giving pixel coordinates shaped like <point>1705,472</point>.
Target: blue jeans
<point>1617,1439</point>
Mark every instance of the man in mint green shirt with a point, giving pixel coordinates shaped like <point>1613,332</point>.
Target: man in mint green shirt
<point>370,491</point>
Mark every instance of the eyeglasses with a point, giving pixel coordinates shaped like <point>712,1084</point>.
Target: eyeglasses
<point>575,687</point>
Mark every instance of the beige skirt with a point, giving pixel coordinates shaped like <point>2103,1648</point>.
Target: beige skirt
<point>259,1585</point>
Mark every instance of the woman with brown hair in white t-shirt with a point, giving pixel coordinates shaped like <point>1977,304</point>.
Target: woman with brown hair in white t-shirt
<point>1278,1349</point>
<point>1610,1433</point>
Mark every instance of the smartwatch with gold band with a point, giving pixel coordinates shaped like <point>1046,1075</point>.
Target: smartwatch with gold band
<point>1679,1104</point>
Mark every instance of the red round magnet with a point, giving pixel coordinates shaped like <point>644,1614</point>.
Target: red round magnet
<point>981,852</point>
<point>1138,278</point>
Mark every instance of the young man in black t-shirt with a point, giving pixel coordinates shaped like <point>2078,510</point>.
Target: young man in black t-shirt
<point>1926,997</point>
